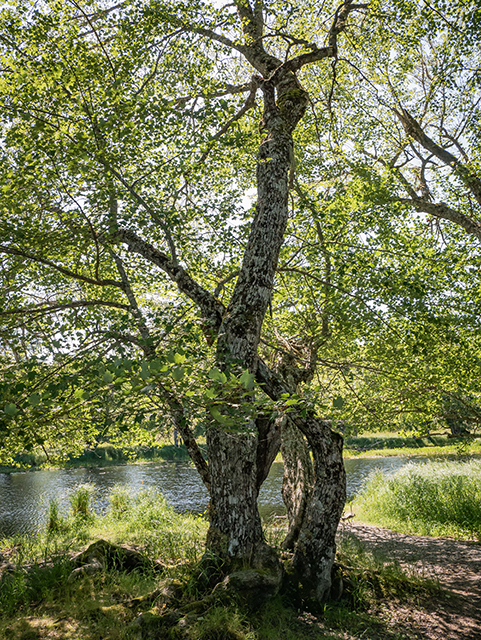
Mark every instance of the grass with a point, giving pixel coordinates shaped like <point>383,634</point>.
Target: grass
<point>392,444</point>
<point>104,454</point>
<point>38,600</point>
<point>431,498</point>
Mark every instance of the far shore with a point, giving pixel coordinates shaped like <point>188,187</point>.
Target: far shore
<point>364,446</point>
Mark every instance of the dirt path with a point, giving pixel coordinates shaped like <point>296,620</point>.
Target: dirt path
<point>457,567</point>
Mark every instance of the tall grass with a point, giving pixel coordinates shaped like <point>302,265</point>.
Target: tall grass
<point>434,498</point>
<point>148,519</point>
<point>80,502</point>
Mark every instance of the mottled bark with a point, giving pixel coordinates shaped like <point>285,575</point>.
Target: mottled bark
<point>268,445</point>
<point>316,545</point>
<point>235,527</point>
<point>239,458</point>
<point>235,524</point>
<point>298,479</point>
<point>413,129</point>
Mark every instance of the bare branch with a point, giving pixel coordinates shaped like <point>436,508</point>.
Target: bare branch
<point>413,129</point>
<point>229,89</point>
<point>220,285</point>
<point>316,54</point>
<point>147,207</point>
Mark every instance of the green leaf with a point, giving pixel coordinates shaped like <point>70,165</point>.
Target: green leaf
<point>215,374</point>
<point>217,415</point>
<point>34,399</point>
<point>178,373</point>
<point>107,377</point>
<point>10,409</point>
<point>338,402</point>
<point>247,380</point>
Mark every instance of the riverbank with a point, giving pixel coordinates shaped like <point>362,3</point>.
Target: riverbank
<point>365,446</point>
<point>43,595</point>
<point>103,455</point>
<point>392,444</point>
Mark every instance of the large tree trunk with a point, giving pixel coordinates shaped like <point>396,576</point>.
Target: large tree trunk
<point>235,527</point>
<point>235,530</point>
<point>316,545</point>
<point>298,479</point>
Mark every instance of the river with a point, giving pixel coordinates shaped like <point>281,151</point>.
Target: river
<point>24,496</point>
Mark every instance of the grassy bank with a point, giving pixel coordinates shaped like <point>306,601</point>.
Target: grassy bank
<point>367,445</point>
<point>432,498</point>
<point>372,445</point>
<point>104,454</point>
<point>40,600</point>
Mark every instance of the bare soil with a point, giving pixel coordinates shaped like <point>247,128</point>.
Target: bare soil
<point>456,565</point>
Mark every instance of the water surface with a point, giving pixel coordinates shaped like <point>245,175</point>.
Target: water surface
<point>24,496</point>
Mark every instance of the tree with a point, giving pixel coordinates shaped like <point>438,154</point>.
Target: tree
<point>135,263</point>
<point>127,142</point>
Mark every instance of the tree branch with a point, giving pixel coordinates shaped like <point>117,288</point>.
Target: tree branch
<point>134,307</point>
<point>413,130</point>
<point>444,211</point>
<point>212,310</point>
<point>147,207</point>
<point>66,272</point>
<point>249,104</point>
<point>316,53</point>
<point>52,307</point>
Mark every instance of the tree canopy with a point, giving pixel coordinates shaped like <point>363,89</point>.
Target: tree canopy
<point>225,215</point>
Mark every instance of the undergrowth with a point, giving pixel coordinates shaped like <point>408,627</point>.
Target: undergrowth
<point>39,599</point>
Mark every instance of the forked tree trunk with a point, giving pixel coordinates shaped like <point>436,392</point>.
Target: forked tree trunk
<point>235,529</point>
<point>316,545</point>
<point>238,460</point>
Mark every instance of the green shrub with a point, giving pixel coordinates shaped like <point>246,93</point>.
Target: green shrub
<point>434,498</point>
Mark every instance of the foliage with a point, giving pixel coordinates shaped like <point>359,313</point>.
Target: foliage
<point>55,521</point>
<point>99,132</point>
<point>434,498</point>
